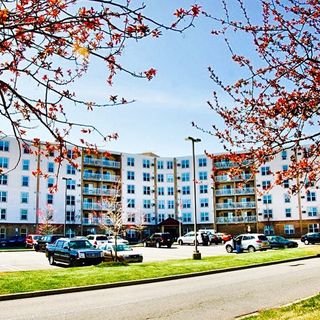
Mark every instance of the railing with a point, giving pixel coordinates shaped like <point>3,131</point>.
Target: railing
<point>101,162</point>
<point>228,192</point>
<point>225,178</point>
<point>230,164</point>
<point>97,206</point>
<point>99,191</point>
<point>236,219</point>
<point>96,221</point>
<point>101,177</point>
<point>236,205</point>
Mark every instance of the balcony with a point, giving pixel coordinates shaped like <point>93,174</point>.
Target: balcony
<point>101,162</point>
<point>97,206</point>
<point>96,221</point>
<point>236,219</point>
<point>227,178</point>
<point>236,205</point>
<point>231,192</point>
<point>99,191</point>
<point>229,164</point>
<point>100,177</point>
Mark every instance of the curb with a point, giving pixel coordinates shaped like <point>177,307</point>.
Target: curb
<point>22,295</point>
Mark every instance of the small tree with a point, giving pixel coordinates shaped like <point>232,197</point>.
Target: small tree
<point>45,221</point>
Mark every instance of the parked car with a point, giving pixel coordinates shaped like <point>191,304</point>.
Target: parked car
<point>44,240</point>
<point>97,239</point>
<point>73,252</point>
<point>124,253</point>
<point>14,241</point>
<point>281,242</point>
<point>111,239</point>
<point>223,237</point>
<point>213,238</point>
<point>32,239</point>
<point>249,241</point>
<point>159,239</point>
<point>189,238</point>
<point>311,237</point>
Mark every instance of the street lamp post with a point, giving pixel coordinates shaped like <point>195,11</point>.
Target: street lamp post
<point>65,205</point>
<point>196,254</point>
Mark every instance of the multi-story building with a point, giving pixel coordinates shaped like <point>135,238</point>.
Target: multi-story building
<point>153,192</point>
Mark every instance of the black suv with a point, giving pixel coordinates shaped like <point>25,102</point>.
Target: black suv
<point>159,240</point>
<point>73,251</point>
<point>311,237</point>
<point>48,239</point>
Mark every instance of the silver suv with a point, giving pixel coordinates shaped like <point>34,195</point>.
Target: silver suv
<point>248,241</point>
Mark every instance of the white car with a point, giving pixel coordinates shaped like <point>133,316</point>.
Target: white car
<point>249,241</point>
<point>120,240</point>
<point>188,238</point>
<point>97,239</point>
<point>124,253</point>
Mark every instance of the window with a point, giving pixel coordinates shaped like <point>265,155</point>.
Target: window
<point>160,177</point>
<point>267,198</point>
<point>50,182</point>
<point>4,145</point>
<point>130,188</point>
<point>288,212</point>
<point>25,164</point>
<point>160,164</point>
<point>3,214</point>
<point>170,204</point>
<point>147,217</point>
<point>170,191</point>
<point>146,163</point>
<point>160,191</point>
<point>25,181</point>
<point>24,214</point>
<point>146,204</point>
<point>130,162</point>
<point>185,164</point>
<point>170,177</point>
<point>24,197</point>
<point>203,175</point>
<point>312,211</point>
<point>4,162</point>
<point>266,184</point>
<point>268,230</point>
<point>186,217</point>
<point>3,179</point>
<point>186,190</point>
<point>131,217</point>
<point>267,213</point>
<point>186,203</point>
<point>161,204</point>
<point>131,203</point>
<point>311,196</point>
<point>265,171</point>
<point>287,198</point>
<point>2,233</point>
<point>3,196</point>
<point>284,155</point>
<point>70,200</point>
<point>71,169</point>
<point>70,215</point>
<point>130,175</point>
<point>285,167</point>
<point>49,198</point>
<point>161,217</point>
<point>146,190</point>
<point>286,184</point>
<point>204,202</point>
<point>51,167</point>
<point>146,176</point>
<point>203,188</point>
<point>185,176</point>
<point>71,184</point>
<point>289,229</point>
<point>26,149</point>
<point>204,216</point>
<point>169,164</point>
<point>202,162</point>
<point>313,227</point>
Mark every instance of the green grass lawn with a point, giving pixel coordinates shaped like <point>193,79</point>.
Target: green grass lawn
<point>28,281</point>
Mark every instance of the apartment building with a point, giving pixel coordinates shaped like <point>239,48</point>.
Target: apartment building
<point>154,192</point>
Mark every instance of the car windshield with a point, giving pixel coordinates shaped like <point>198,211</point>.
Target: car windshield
<point>102,238</point>
<point>80,244</point>
<point>122,247</point>
<point>37,237</point>
<point>262,237</point>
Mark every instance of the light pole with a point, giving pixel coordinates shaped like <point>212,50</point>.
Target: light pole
<point>65,204</point>
<point>196,254</point>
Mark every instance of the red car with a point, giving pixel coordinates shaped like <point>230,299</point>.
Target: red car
<point>32,239</point>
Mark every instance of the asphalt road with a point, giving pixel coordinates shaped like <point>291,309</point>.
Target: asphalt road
<point>219,296</point>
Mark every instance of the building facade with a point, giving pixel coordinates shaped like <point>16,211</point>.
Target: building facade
<point>151,189</point>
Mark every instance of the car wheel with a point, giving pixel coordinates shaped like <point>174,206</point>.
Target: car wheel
<point>229,249</point>
<point>285,246</point>
<point>251,249</point>
<point>51,260</point>
<point>71,263</point>
<point>306,242</point>
<point>169,245</point>
<point>180,242</point>
<point>158,245</point>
